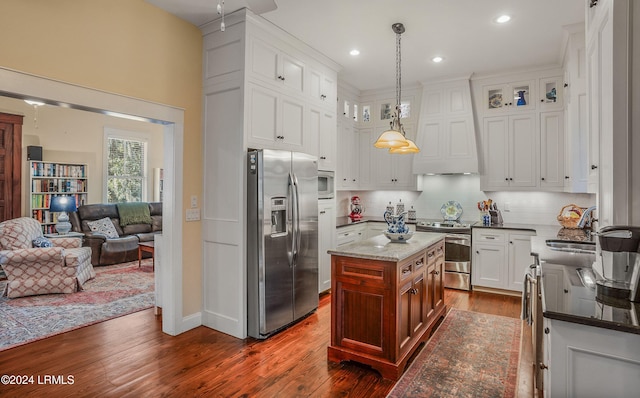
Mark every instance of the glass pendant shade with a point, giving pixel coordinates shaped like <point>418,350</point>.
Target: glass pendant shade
<point>391,139</point>
<point>411,148</point>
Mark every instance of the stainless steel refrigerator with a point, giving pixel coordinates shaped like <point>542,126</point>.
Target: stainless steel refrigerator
<point>282,239</point>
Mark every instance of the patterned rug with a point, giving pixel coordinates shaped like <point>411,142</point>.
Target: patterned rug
<point>115,291</point>
<point>469,355</point>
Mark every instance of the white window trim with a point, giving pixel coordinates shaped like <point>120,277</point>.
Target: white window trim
<point>110,132</point>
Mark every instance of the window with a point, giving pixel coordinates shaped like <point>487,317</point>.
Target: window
<point>126,165</point>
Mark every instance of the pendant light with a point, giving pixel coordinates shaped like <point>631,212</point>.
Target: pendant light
<point>395,138</point>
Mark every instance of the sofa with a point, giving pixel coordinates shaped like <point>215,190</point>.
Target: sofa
<point>37,265</point>
<point>122,245</point>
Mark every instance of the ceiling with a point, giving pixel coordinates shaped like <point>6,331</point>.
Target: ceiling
<point>461,31</point>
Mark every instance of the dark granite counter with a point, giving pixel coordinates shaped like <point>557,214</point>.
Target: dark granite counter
<point>572,301</point>
<point>549,231</point>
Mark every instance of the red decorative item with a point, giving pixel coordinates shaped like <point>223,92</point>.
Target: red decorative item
<point>356,209</point>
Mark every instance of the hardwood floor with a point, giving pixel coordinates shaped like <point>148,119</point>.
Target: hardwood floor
<point>130,356</point>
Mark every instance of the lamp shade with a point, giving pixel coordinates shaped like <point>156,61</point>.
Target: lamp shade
<point>391,139</point>
<point>411,148</point>
<point>63,204</point>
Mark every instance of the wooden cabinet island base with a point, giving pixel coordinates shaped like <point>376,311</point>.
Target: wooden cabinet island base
<point>386,299</point>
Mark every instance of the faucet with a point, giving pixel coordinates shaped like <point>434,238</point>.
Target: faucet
<point>587,217</point>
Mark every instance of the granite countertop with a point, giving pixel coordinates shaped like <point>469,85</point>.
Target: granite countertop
<point>584,306</point>
<point>344,221</point>
<point>381,248</point>
<point>548,231</point>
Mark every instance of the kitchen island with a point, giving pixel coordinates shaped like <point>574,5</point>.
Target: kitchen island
<point>386,299</point>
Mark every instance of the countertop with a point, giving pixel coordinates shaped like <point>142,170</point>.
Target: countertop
<point>381,248</point>
<point>344,221</point>
<point>579,304</point>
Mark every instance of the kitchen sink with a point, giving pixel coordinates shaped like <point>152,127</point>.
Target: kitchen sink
<point>571,246</point>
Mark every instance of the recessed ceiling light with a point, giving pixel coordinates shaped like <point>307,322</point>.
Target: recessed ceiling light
<point>437,59</point>
<point>503,19</point>
<point>34,103</point>
<point>354,52</point>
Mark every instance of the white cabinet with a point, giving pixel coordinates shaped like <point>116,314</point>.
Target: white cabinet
<point>552,149</point>
<point>576,103</point>
<point>321,88</point>
<point>276,121</point>
<point>500,258</point>
<point>326,241</point>
<point>446,134</point>
<point>348,157</point>
<point>611,72</point>
<point>588,361</point>
<point>351,233</point>
<point>551,93</point>
<point>508,97</point>
<point>272,65</point>
<point>509,152</point>
<point>519,249</point>
<point>322,124</point>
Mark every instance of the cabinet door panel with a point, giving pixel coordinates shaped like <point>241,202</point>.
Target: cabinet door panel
<point>519,259</point>
<point>552,149</point>
<point>293,122</point>
<point>494,141</point>
<point>489,266</point>
<point>523,143</point>
<point>292,73</point>
<point>263,115</point>
<point>264,60</point>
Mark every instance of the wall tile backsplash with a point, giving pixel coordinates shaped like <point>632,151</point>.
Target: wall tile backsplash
<point>538,208</point>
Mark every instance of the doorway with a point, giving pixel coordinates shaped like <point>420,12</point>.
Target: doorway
<point>10,165</point>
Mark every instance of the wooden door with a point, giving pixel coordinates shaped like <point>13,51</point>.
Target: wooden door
<point>10,161</point>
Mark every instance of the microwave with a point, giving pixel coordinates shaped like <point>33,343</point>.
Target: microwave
<point>326,185</point>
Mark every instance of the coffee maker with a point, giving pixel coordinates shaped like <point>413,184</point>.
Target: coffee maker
<point>618,264</point>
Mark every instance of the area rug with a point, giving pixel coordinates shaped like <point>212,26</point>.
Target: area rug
<point>115,291</point>
<point>470,355</point>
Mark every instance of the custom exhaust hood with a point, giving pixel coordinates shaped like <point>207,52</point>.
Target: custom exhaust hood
<point>446,132</point>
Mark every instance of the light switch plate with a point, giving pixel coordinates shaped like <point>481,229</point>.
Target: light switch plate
<point>193,215</point>
<point>194,201</point>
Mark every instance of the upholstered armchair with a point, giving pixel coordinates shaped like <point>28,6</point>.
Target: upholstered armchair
<point>62,268</point>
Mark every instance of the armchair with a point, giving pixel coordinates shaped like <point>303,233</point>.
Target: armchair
<point>30,271</point>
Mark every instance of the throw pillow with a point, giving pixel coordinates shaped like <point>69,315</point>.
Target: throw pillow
<point>41,241</point>
<point>104,226</point>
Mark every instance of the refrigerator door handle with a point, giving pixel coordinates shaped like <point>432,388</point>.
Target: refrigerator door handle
<point>292,198</point>
<point>296,220</point>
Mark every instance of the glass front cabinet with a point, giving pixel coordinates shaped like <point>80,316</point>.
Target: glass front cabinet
<point>509,97</point>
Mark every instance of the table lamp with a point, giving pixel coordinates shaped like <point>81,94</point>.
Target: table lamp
<point>63,205</point>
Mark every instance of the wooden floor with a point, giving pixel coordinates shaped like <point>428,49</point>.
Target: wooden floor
<point>130,356</point>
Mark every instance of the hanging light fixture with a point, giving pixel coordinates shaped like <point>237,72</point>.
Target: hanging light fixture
<point>220,10</point>
<point>395,138</point>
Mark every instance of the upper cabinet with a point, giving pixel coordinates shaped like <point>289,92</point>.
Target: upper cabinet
<point>446,134</point>
<point>321,88</point>
<point>508,96</point>
<point>523,140</point>
<point>274,66</point>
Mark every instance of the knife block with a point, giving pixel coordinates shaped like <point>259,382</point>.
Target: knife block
<point>496,217</point>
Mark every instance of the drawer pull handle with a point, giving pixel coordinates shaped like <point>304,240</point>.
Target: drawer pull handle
<point>406,271</point>
<point>490,237</point>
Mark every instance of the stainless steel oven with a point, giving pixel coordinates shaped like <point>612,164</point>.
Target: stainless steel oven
<point>457,252</point>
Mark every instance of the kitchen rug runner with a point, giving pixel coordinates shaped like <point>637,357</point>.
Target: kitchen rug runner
<point>116,290</point>
<point>470,355</point>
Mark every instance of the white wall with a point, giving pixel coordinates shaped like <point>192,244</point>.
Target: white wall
<point>70,135</point>
<point>538,208</point>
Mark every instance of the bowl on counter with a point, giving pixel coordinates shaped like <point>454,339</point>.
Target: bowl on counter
<point>398,237</point>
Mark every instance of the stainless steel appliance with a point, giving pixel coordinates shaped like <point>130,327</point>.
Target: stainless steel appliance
<point>326,187</point>
<point>457,252</point>
<point>282,239</point>
<point>618,264</point>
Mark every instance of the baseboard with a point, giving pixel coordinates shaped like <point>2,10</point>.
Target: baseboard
<point>191,322</point>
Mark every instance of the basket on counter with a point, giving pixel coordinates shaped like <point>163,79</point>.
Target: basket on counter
<point>570,215</point>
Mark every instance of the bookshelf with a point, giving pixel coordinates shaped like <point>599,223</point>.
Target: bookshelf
<point>48,179</point>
